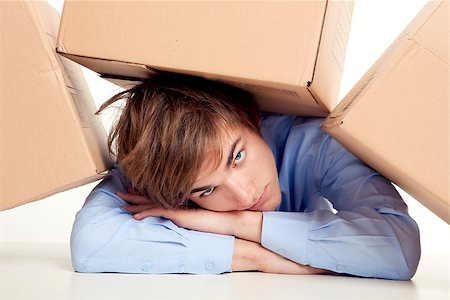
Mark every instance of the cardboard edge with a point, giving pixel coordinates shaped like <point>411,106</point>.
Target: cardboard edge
<point>82,115</point>
<point>64,188</point>
<point>87,61</point>
<point>385,62</point>
<point>331,53</point>
<point>319,43</point>
<point>128,80</point>
<point>437,7</point>
<point>91,126</point>
<point>37,9</point>
<point>61,30</point>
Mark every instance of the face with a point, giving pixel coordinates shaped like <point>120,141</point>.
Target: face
<point>246,179</point>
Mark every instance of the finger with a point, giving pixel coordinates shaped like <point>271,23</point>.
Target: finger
<point>125,208</point>
<point>151,212</point>
<point>134,199</point>
<point>133,191</point>
<point>134,209</point>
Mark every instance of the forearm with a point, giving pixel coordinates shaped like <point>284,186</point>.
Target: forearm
<point>247,225</point>
<point>251,256</point>
<point>362,242</point>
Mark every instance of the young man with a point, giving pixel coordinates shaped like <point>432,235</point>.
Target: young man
<point>206,184</point>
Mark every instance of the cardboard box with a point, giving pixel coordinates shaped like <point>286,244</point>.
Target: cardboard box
<point>396,117</point>
<point>50,139</point>
<point>288,54</point>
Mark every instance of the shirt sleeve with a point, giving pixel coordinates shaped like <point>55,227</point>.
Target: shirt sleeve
<point>106,238</point>
<point>370,234</point>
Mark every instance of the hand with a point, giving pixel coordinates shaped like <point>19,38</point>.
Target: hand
<point>137,201</point>
<point>243,224</point>
<point>195,219</point>
<point>250,256</point>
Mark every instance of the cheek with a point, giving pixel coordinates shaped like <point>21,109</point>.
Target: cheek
<point>213,203</point>
<point>266,161</point>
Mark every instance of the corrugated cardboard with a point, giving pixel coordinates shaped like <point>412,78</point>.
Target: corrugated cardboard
<point>50,139</point>
<point>396,117</point>
<point>288,54</point>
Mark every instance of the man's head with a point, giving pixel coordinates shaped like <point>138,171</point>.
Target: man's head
<point>175,129</point>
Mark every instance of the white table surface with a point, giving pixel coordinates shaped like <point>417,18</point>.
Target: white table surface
<point>43,271</point>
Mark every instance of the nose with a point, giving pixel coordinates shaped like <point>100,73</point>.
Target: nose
<point>242,190</point>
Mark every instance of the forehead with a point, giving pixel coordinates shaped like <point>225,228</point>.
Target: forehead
<point>224,149</point>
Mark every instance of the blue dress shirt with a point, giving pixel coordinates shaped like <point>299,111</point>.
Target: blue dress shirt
<point>336,214</point>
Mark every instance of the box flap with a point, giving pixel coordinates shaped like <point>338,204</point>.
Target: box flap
<point>434,35</point>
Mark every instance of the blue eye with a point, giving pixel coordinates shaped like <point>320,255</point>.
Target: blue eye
<point>239,157</point>
<point>208,191</point>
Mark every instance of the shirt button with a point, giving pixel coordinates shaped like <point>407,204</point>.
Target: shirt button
<point>209,266</point>
<point>146,267</point>
<point>340,267</point>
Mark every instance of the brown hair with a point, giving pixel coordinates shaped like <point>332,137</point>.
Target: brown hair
<point>168,124</point>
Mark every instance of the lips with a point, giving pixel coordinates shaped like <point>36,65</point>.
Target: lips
<point>261,199</point>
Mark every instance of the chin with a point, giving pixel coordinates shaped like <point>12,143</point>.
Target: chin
<point>275,204</point>
<point>270,206</point>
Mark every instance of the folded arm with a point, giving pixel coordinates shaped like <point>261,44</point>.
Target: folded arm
<point>248,254</point>
<point>370,234</point>
<point>106,238</point>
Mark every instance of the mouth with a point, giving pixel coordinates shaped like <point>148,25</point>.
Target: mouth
<point>261,199</point>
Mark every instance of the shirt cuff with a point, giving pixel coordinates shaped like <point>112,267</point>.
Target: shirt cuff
<point>209,253</point>
<point>286,233</point>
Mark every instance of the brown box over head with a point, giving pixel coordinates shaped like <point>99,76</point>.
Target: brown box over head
<point>396,117</point>
<point>50,139</point>
<point>288,54</point>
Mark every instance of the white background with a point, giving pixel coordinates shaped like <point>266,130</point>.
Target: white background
<point>375,24</point>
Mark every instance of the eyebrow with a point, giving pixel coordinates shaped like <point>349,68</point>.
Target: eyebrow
<point>230,159</point>
<point>231,153</point>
